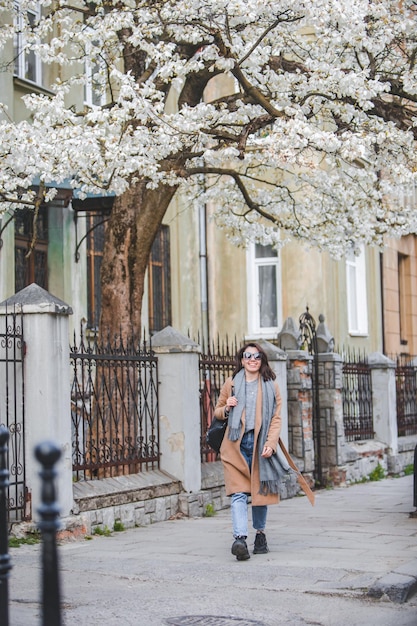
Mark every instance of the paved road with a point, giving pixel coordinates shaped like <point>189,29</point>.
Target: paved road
<point>323,561</point>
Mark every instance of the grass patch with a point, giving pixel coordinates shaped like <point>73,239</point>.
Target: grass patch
<point>118,526</point>
<point>103,532</point>
<point>209,511</point>
<point>409,469</point>
<point>30,540</point>
<point>377,474</point>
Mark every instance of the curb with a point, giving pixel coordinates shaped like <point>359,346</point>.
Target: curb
<point>399,586</point>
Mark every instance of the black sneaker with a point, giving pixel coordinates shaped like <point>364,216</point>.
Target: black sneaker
<point>260,547</point>
<point>240,549</point>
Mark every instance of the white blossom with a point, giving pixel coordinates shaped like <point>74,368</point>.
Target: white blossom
<point>313,135</point>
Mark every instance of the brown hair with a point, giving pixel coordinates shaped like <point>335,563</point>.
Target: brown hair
<point>265,371</point>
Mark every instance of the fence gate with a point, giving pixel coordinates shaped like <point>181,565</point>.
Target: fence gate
<point>309,339</point>
<point>12,412</point>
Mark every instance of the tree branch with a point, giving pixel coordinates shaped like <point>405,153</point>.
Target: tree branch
<point>238,179</point>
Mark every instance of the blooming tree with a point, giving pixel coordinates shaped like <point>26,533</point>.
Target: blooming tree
<point>314,139</point>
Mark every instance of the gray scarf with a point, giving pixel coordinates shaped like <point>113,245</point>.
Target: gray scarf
<point>274,469</point>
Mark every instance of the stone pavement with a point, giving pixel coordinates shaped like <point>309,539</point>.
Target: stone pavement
<point>350,560</point>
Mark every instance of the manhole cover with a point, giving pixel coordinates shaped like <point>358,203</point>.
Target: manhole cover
<point>211,620</point>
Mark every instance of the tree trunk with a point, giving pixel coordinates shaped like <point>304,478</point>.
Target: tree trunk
<point>133,225</point>
<point>113,439</point>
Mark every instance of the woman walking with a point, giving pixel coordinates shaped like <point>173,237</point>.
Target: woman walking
<point>251,401</point>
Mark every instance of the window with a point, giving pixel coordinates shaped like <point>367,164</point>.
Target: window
<point>356,294</point>
<point>158,274</point>
<point>31,254</point>
<point>263,290</point>
<point>404,296</point>
<point>159,282</point>
<point>27,64</point>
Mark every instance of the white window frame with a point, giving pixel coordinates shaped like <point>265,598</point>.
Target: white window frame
<point>253,293</point>
<point>357,301</point>
<point>21,55</point>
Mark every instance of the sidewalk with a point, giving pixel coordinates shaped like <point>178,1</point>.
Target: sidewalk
<point>350,560</point>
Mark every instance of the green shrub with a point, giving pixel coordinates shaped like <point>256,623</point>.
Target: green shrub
<point>209,511</point>
<point>378,473</point>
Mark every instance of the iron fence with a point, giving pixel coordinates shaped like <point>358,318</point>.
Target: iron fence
<point>308,335</point>
<point>357,397</point>
<point>406,394</point>
<point>114,408</point>
<point>12,412</point>
<point>216,364</point>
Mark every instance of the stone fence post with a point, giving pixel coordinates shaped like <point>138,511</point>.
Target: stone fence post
<point>179,406</point>
<point>47,388</point>
<point>384,403</point>
<point>277,359</point>
<point>332,432</point>
<point>300,409</point>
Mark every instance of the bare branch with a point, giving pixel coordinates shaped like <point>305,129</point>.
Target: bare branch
<point>38,201</point>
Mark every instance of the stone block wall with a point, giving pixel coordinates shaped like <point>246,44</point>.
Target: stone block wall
<point>300,410</point>
<point>331,415</point>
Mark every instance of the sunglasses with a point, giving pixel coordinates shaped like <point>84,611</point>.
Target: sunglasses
<point>252,355</point>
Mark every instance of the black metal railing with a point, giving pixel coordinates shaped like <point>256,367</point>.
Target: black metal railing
<point>12,415</point>
<point>114,408</point>
<point>357,398</point>
<point>216,364</point>
<point>406,394</point>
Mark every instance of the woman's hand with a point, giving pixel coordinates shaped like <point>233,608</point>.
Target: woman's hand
<point>267,452</point>
<point>231,402</point>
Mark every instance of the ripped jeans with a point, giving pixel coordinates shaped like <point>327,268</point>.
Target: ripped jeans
<point>239,502</point>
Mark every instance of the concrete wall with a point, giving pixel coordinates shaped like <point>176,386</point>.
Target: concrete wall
<point>47,392</point>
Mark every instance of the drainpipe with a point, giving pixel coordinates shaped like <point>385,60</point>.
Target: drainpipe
<point>202,215</point>
<point>381,278</point>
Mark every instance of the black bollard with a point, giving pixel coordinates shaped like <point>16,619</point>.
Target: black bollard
<point>5,564</point>
<point>48,454</point>
<point>414,513</point>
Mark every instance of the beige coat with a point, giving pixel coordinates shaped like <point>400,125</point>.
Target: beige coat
<point>236,472</point>
<point>237,477</point>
